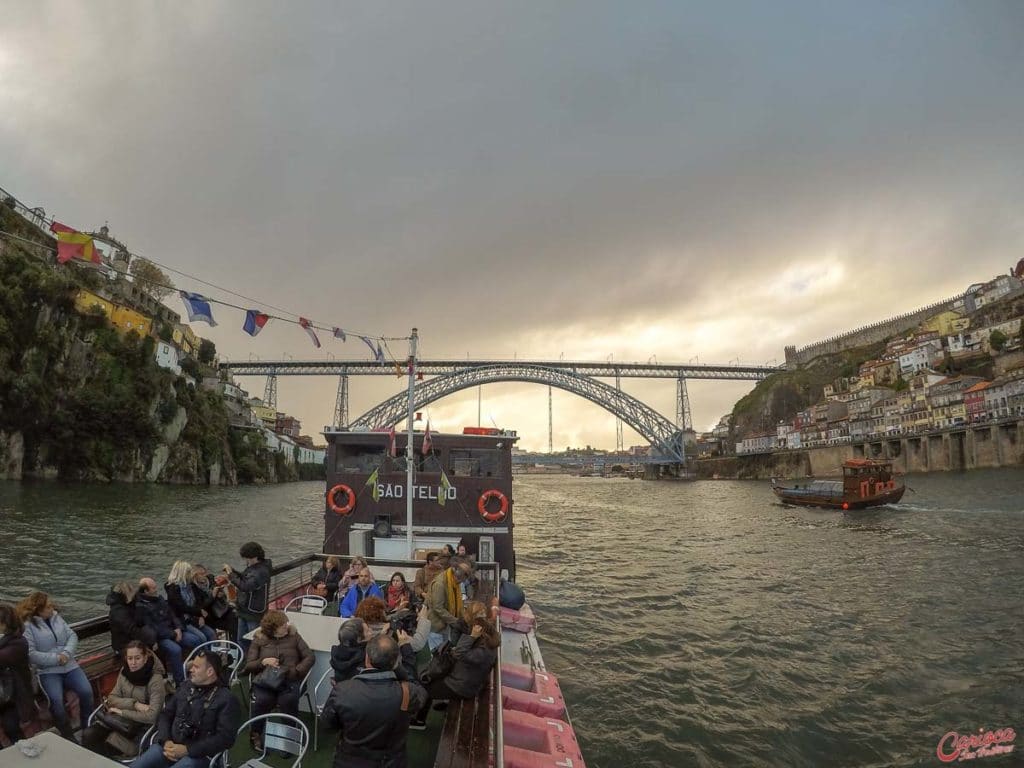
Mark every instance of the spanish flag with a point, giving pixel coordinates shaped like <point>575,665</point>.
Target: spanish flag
<point>72,244</point>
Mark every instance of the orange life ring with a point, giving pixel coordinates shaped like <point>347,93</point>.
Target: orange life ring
<point>345,510</point>
<point>492,517</point>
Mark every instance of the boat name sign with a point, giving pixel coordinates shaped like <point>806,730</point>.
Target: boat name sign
<point>425,492</point>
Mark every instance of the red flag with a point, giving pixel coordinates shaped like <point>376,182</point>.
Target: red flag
<point>426,440</point>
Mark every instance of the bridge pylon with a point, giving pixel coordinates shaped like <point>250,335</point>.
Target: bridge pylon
<point>270,392</point>
<point>683,419</point>
<point>341,403</point>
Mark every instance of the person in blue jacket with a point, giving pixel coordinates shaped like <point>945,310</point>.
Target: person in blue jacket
<point>363,588</point>
<point>51,649</point>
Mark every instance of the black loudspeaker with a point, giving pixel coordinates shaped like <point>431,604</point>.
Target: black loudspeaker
<point>382,527</point>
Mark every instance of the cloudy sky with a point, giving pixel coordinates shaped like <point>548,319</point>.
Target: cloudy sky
<point>532,179</point>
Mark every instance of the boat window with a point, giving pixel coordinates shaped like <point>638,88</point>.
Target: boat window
<point>429,463</point>
<point>359,458</point>
<point>475,462</point>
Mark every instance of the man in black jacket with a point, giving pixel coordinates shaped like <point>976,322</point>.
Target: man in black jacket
<point>372,710</point>
<point>198,722</point>
<point>253,585</point>
<point>154,614</point>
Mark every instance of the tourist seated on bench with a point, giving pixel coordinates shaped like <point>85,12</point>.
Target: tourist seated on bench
<point>14,658</point>
<point>187,603</point>
<point>276,645</point>
<point>154,613</point>
<point>124,623</point>
<point>137,698</point>
<point>475,656</point>
<point>327,579</point>
<point>351,575</point>
<point>363,588</point>
<point>51,649</point>
<point>213,597</point>
<point>199,722</point>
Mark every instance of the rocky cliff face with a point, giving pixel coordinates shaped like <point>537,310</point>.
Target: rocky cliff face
<point>79,401</point>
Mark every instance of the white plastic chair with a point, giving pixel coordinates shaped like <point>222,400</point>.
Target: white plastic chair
<point>229,647</point>
<point>316,709</point>
<point>308,604</point>
<point>283,733</point>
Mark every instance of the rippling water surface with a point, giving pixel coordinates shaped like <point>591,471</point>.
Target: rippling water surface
<point>690,624</point>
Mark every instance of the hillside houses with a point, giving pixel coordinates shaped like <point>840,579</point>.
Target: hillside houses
<point>903,392</point>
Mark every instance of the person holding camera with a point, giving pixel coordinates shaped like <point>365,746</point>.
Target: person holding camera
<point>372,710</point>
<point>214,600</point>
<point>198,722</point>
<point>278,659</point>
<point>474,655</point>
<point>132,706</point>
<point>253,585</point>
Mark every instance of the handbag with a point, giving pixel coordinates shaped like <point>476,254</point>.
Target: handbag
<point>117,723</point>
<point>6,687</point>
<point>440,664</point>
<point>271,679</point>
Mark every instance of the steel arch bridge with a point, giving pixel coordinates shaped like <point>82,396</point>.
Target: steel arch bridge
<point>661,433</point>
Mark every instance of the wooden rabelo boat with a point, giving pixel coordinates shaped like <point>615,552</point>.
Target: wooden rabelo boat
<point>865,483</point>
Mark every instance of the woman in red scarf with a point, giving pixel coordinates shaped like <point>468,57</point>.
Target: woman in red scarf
<point>398,593</point>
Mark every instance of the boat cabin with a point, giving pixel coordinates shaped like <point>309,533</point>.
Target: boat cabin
<point>863,478</point>
<point>462,491</point>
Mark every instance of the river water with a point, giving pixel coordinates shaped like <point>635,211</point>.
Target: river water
<point>691,624</point>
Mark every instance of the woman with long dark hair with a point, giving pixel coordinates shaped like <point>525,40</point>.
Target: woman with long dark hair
<point>15,667</point>
<point>137,697</point>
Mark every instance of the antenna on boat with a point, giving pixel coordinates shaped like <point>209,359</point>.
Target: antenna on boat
<point>409,452</point>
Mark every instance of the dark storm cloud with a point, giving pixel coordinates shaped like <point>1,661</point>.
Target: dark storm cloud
<point>567,174</point>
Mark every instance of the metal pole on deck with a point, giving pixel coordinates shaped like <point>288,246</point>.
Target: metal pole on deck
<point>409,452</point>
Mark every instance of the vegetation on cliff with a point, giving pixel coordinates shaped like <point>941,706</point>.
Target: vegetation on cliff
<point>780,396</point>
<point>89,403</point>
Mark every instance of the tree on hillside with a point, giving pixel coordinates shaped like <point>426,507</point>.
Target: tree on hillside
<point>997,340</point>
<point>207,352</point>
<point>151,279</point>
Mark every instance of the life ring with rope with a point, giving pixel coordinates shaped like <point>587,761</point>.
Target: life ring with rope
<point>492,517</point>
<point>345,509</point>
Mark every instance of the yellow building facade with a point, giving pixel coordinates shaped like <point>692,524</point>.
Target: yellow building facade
<point>87,301</point>
<point>946,323</point>
<point>122,318</point>
<point>126,320</point>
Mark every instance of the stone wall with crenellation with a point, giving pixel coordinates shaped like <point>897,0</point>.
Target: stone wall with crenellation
<point>868,334</point>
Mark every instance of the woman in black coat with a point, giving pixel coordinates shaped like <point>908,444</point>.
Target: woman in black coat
<point>350,652</point>
<point>327,579</point>
<point>14,667</point>
<point>475,656</point>
<point>123,624</point>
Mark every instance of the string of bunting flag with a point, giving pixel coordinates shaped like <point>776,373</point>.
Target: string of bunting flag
<point>73,245</point>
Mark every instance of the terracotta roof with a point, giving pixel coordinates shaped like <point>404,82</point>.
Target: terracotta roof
<point>978,387</point>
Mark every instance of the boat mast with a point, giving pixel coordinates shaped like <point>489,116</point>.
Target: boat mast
<point>409,452</point>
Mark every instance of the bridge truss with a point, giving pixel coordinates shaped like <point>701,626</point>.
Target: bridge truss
<point>648,423</point>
